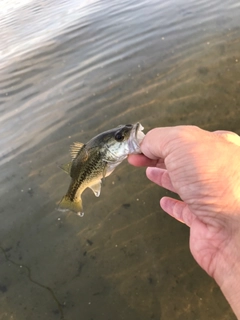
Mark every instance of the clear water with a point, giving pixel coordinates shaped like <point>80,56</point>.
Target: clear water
<point>69,70</point>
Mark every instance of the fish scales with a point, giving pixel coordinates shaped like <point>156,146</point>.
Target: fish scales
<point>94,167</point>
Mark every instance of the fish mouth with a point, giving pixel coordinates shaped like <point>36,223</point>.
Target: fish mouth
<point>136,137</point>
<point>139,135</point>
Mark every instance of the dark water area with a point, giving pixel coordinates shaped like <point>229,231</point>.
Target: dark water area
<point>70,70</point>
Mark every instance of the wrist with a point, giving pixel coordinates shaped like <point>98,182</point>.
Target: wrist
<point>227,276</point>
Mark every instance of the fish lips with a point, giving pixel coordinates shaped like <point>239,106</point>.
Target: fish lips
<point>136,138</point>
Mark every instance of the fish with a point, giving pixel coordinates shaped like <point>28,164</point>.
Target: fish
<point>97,159</point>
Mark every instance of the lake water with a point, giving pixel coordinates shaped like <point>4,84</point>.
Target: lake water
<point>70,70</point>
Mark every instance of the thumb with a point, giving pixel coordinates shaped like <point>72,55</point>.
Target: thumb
<point>177,209</point>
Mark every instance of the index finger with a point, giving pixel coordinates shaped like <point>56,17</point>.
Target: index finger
<point>140,160</point>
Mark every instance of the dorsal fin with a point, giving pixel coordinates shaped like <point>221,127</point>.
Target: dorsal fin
<point>75,148</point>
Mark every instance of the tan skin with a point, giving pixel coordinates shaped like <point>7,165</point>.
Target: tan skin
<point>203,168</point>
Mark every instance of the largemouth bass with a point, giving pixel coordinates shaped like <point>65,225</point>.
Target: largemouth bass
<point>96,160</point>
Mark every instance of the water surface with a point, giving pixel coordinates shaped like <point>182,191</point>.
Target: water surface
<point>67,72</point>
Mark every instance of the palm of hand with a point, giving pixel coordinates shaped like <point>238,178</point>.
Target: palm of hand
<point>207,242</point>
<point>208,234</point>
<point>206,187</point>
<point>203,169</point>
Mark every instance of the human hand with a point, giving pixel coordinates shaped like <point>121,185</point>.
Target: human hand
<point>203,169</point>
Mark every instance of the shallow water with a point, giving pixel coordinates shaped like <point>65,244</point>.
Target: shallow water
<point>68,72</point>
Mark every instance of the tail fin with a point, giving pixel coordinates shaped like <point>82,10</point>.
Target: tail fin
<point>75,206</point>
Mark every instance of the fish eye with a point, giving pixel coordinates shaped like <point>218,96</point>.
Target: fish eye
<point>119,136</point>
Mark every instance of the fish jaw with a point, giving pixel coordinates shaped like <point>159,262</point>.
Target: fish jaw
<point>136,138</point>
<point>117,152</point>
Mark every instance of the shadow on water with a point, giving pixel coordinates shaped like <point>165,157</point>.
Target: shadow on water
<point>125,259</point>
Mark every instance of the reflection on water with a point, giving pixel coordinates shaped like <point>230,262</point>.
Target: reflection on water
<point>69,71</point>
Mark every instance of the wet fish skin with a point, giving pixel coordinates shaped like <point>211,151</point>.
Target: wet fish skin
<point>96,160</point>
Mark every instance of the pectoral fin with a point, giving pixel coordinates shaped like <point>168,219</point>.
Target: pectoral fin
<point>109,168</point>
<point>96,188</point>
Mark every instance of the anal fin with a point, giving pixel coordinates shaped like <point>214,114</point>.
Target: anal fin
<point>96,188</point>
